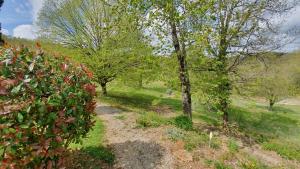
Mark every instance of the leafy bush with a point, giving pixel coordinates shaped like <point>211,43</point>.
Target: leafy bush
<point>46,103</point>
<point>183,122</point>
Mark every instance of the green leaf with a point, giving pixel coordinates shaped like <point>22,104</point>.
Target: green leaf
<point>16,89</point>
<point>24,126</point>
<point>20,118</point>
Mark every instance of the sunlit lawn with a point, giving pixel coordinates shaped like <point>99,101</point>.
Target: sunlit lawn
<point>277,130</point>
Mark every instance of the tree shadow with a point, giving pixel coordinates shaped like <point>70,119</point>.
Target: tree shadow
<point>102,110</point>
<point>138,154</point>
<point>263,124</point>
<point>141,101</point>
<point>93,157</point>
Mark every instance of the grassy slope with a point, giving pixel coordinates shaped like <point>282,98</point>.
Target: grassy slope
<point>278,130</point>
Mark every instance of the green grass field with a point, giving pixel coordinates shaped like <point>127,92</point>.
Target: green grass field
<point>277,130</point>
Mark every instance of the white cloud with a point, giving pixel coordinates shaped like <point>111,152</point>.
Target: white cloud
<point>5,31</point>
<point>25,31</point>
<point>36,7</point>
<point>29,31</point>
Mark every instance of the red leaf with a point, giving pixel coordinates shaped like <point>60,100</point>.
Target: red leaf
<point>90,88</point>
<point>87,72</point>
<point>49,165</point>
<point>59,139</point>
<point>63,67</point>
<point>70,120</point>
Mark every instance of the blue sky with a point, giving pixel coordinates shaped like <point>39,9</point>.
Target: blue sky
<point>18,19</point>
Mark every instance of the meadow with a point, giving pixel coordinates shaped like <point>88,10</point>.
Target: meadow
<point>252,122</point>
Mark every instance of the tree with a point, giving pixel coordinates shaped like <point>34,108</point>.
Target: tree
<point>272,80</point>
<point>240,28</point>
<point>1,40</point>
<point>103,30</point>
<point>170,20</point>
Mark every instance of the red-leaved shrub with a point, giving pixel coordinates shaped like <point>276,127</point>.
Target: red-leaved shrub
<point>46,103</point>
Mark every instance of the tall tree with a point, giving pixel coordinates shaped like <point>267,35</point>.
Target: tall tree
<point>169,19</point>
<point>240,28</point>
<point>99,28</point>
<point>1,40</point>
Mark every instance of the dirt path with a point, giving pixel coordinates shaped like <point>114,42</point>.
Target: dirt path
<point>134,148</point>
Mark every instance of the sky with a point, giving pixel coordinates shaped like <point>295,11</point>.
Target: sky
<point>18,18</point>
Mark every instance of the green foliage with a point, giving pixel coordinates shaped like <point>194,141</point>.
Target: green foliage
<point>113,44</point>
<point>272,80</point>
<point>46,103</point>
<point>183,122</point>
<point>151,119</point>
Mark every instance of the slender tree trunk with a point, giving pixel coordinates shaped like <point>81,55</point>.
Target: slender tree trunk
<point>104,90</point>
<point>1,40</point>
<point>224,109</point>
<point>141,81</point>
<point>224,87</point>
<point>271,104</point>
<point>183,72</point>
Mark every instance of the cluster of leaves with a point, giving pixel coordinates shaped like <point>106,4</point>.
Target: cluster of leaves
<point>46,103</point>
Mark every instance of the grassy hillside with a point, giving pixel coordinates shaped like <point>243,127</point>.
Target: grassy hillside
<point>277,130</point>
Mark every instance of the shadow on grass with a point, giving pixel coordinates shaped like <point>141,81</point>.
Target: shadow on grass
<point>208,119</point>
<point>101,110</point>
<point>139,154</point>
<point>141,101</point>
<point>91,157</point>
<point>257,122</point>
<point>161,90</point>
<point>263,123</point>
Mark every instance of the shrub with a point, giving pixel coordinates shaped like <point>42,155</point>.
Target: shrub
<point>46,103</point>
<point>183,122</point>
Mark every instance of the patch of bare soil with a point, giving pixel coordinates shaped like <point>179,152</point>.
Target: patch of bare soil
<point>291,101</point>
<point>134,148</point>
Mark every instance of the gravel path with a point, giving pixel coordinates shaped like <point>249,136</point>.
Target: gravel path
<point>134,148</point>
